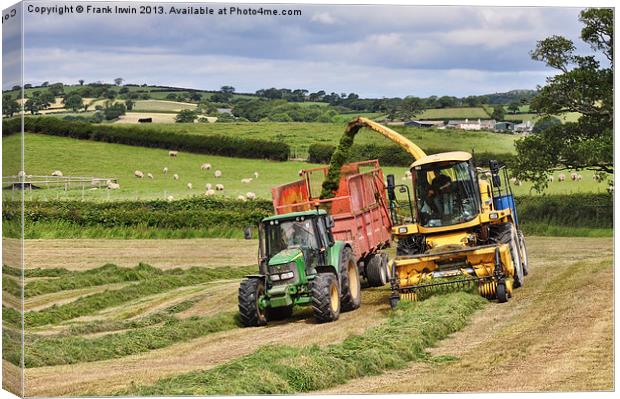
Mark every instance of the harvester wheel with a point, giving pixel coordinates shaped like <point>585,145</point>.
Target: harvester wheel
<point>281,313</point>
<point>349,281</point>
<point>509,236</point>
<point>524,260</point>
<point>325,297</point>
<point>376,271</point>
<point>502,293</point>
<point>250,292</point>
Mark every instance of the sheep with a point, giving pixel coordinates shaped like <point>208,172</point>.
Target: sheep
<point>208,186</point>
<point>219,187</point>
<point>170,198</point>
<point>166,170</point>
<point>138,174</point>
<point>56,173</point>
<point>150,175</point>
<point>189,186</point>
<point>22,174</point>
<point>579,177</point>
<point>597,177</point>
<point>209,193</point>
<point>300,172</point>
<point>241,198</point>
<point>113,186</point>
<point>561,177</point>
<point>173,154</point>
<point>250,195</point>
<point>205,166</point>
<point>218,173</point>
<point>573,176</point>
<point>175,176</point>
<point>246,181</point>
<point>256,175</point>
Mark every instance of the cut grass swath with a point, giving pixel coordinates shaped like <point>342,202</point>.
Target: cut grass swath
<point>284,369</point>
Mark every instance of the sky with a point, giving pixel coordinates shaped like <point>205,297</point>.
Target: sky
<point>375,51</point>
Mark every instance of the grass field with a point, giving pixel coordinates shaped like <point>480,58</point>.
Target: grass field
<point>301,135</point>
<point>454,113</point>
<point>180,338</point>
<point>45,154</point>
<point>161,106</point>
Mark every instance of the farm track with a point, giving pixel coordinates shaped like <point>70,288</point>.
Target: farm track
<point>575,349</point>
<point>85,254</point>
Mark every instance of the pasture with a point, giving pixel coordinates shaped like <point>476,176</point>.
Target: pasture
<point>161,106</point>
<point>44,154</point>
<point>454,113</point>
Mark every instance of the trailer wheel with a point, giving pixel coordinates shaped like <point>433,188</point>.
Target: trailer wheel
<point>376,271</point>
<point>250,292</point>
<point>349,281</point>
<point>325,297</point>
<point>280,313</point>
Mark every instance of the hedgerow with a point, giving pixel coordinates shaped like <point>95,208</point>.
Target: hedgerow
<point>154,138</point>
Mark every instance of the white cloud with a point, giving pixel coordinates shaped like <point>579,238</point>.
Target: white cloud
<point>324,18</point>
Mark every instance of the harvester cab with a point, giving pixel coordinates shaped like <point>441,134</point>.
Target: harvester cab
<point>300,263</point>
<point>464,232</point>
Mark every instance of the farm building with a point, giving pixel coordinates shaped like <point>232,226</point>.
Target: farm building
<point>425,124</point>
<point>504,127</point>
<point>471,125</point>
<point>525,127</point>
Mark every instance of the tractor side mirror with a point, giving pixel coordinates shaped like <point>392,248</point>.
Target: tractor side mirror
<point>390,188</point>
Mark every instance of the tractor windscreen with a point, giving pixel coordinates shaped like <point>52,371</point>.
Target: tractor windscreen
<point>446,194</point>
<point>282,235</point>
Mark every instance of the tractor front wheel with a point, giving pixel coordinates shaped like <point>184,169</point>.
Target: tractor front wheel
<point>251,291</point>
<point>326,297</point>
<point>349,281</point>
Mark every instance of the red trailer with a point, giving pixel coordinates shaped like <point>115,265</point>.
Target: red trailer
<point>359,208</point>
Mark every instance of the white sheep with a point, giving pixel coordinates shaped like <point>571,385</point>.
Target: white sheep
<point>150,175</point>
<point>246,181</point>
<point>170,198</point>
<point>173,153</point>
<point>256,175</point>
<point>241,198</point>
<point>22,174</point>
<point>218,173</point>
<point>579,177</point>
<point>138,174</point>
<point>175,176</point>
<point>219,187</point>
<point>205,166</point>
<point>597,177</point>
<point>189,186</point>
<point>209,192</point>
<point>573,176</point>
<point>300,172</point>
<point>561,177</point>
<point>56,173</point>
<point>166,170</point>
<point>113,186</point>
<point>208,186</point>
<point>250,196</point>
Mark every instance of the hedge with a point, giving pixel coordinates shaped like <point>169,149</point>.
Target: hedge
<point>390,155</point>
<point>189,213</point>
<point>214,145</point>
<point>574,210</point>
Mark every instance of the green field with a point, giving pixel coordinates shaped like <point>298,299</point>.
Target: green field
<point>454,113</point>
<point>301,135</point>
<point>45,154</point>
<point>161,106</point>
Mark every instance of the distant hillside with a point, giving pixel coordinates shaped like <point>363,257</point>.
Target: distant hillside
<point>511,96</point>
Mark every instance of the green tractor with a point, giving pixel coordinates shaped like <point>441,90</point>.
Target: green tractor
<point>300,263</point>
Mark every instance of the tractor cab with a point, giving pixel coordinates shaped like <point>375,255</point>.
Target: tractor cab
<point>294,244</point>
<point>447,191</point>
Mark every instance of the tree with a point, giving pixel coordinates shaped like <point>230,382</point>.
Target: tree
<point>227,89</point>
<point>57,89</point>
<point>9,106</point>
<point>171,97</point>
<point>45,84</point>
<point>81,81</point>
<point>129,104</point>
<point>514,107</point>
<point>119,81</point>
<point>113,111</point>
<point>197,97</point>
<point>584,86</point>
<point>74,102</point>
<point>32,106</point>
<point>409,108</point>
<point>545,123</point>
<point>498,113</point>
<point>186,116</point>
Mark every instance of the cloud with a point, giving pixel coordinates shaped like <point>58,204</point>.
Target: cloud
<point>323,18</point>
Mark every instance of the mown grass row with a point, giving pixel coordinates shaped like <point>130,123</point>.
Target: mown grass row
<point>38,272</point>
<point>284,369</point>
<point>90,304</point>
<point>46,351</point>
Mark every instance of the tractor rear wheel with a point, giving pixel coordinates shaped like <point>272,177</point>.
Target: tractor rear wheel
<point>376,271</point>
<point>325,297</point>
<point>349,281</point>
<point>250,292</point>
<point>281,313</point>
